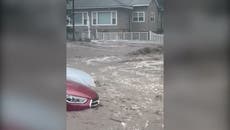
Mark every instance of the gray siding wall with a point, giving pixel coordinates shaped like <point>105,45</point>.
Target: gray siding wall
<point>140,26</point>
<point>152,11</point>
<point>149,24</point>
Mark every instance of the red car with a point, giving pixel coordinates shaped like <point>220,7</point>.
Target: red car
<point>80,97</point>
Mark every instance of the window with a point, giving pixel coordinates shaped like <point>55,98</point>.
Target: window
<point>135,17</point>
<point>81,18</point>
<point>104,18</point>
<point>152,17</point>
<point>94,18</point>
<point>139,17</point>
<point>78,18</point>
<point>69,4</point>
<point>85,19</point>
<point>68,21</point>
<point>114,18</point>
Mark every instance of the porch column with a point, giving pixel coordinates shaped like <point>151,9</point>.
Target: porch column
<point>88,25</point>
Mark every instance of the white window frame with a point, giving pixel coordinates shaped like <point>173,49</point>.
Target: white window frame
<point>111,18</point>
<point>82,22</point>
<point>138,13</point>
<point>69,19</point>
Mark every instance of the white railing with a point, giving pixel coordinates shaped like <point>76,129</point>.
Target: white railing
<point>140,36</point>
<point>122,36</point>
<point>159,38</point>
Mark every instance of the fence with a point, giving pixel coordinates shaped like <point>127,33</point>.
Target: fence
<point>122,36</point>
<point>141,36</point>
<point>159,38</point>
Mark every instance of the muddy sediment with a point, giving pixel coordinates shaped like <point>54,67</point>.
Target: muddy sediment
<point>129,78</point>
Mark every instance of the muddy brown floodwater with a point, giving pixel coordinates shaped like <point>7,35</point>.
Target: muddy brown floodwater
<point>129,77</point>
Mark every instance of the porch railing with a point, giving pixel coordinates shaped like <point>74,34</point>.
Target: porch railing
<point>140,36</point>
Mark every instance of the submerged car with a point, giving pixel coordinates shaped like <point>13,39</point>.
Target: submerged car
<point>80,97</point>
<point>80,77</point>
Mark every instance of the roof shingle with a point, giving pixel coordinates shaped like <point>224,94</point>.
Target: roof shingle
<point>83,4</point>
<point>89,4</point>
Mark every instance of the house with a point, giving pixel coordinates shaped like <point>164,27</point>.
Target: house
<point>115,16</point>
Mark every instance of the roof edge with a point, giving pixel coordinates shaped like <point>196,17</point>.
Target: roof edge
<point>158,6</point>
<point>126,7</point>
<point>136,5</point>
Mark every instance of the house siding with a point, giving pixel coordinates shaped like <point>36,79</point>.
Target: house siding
<point>157,25</point>
<point>139,26</point>
<point>148,25</point>
<point>153,25</point>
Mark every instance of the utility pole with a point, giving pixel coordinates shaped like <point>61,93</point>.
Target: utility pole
<point>73,20</point>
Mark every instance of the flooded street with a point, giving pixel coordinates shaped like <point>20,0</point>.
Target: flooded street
<point>129,78</point>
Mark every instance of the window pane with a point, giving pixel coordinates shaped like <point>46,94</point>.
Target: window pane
<point>94,17</point>
<point>113,14</point>
<point>85,18</point>
<point>114,18</point>
<point>152,18</point>
<point>69,4</point>
<point>68,20</point>
<point>104,18</point>
<point>94,21</point>
<point>141,14</point>
<point>85,15</point>
<point>141,19</point>
<point>135,19</point>
<point>135,15</point>
<point>114,21</point>
<point>78,18</point>
<point>85,21</point>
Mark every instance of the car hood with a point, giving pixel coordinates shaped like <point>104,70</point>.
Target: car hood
<point>77,89</point>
